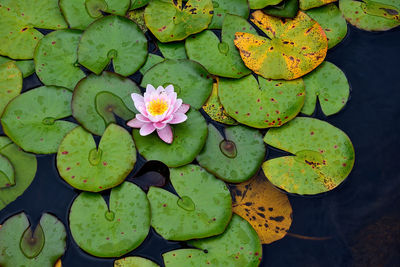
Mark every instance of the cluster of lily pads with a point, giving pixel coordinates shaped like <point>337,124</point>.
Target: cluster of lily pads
<point>246,66</point>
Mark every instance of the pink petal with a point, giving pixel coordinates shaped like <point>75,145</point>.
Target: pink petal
<point>169,89</point>
<point>167,119</point>
<point>183,108</point>
<point>178,118</point>
<point>147,129</point>
<point>177,105</point>
<point>159,89</point>
<point>138,101</point>
<point>166,134</point>
<point>159,125</point>
<point>150,89</point>
<point>142,118</point>
<point>135,123</point>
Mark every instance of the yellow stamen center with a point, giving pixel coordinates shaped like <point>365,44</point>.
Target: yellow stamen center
<point>157,107</point>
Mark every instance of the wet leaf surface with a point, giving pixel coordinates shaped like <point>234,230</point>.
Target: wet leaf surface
<point>19,20</point>
<point>323,156</point>
<point>10,83</point>
<point>262,104</point>
<point>191,81</point>
<point>89,168</point>
<point>267,209</point>
<point>20,246</point>
<point>201,200</point>
<point>110,230</point>
<point>116,39</point>
<point>378,15</point>
<point>220,57</point>
<point>189,139</point>
<point>224,7</point>
<point>177,21</point>
<point>27,67</point>
<point>56,59</point>
<point>33,119</point>
<point>238,246</point>
<point>235,158</point>
<point>134,262</point>
<point>97,99</point>
<point>329,84</point>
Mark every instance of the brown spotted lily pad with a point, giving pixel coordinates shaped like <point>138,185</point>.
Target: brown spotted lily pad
<point>323,156</point>
<point>267,209</point>
<point>296,46</point>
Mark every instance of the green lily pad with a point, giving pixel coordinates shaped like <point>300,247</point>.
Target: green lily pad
<point>27,67</point>
<point>137,16</point>
<point>10,83</point>
<point>223,7</point>
<point>173,50</point>
<point>220,57</point>
<point>24,167</point>
<point>89,168</point>
<point>235,158</point>
<point>332,22</point>
<point>189,138</point>
<point>330,85</point>
<point>32,119</point>
<point>191,81</point>
<point>97,98</point>
<point>286,9</point>
<point>152,60</point>
<point>113,38</point>
<point>215,110</point>
<point>56,59</point>
<point>368,15</point>
<point>258,4</point>
<point>262,104</point>
<point>296,46</point>
<point>20,246</point>
<point>114,230</point>
<point>18,36</point>
<point>201,209</point>
<point>134,262</point>
<point>323,156</point>
<point>138,4</point>
<point>81,13</point>
<point>308,4</point>
<point>176,22</point>
<point>238,246</point>
<point>7,178</point>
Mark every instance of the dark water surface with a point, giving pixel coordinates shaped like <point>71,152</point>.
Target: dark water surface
<point>357,224</point>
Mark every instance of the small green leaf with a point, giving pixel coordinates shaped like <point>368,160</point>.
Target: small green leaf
<point>134,262</point>
<point>224,7</point>
<point>286,9</point>
<point>10,83</point>
<point>27,67</point>
<point>258,4</point>
<point>308,4</point>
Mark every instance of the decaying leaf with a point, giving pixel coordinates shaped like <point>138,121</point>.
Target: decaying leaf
<point>215,110</point>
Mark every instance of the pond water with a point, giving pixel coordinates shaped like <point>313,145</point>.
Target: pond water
<point>356,224</point>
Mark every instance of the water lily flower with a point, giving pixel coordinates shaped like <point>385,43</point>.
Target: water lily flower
<point>158,109</point>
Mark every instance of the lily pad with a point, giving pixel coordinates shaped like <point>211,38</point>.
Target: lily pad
<point>152,60</point>
<point>24,166</point>
<point>368,15</point>
<point>56,59</point>
<point>262,104</point>
<point>297,46</point>
<point>201,208</point>
<point>97,98</point>
<point>189,139</point>
<point>258,4</point>
<point>215,110</point>
<point>20,246</point>
<point>134,262</point>
<point>177,21</point>
<point>33,119</point>
<point>18,20</point>
<point>191,81</point>
<point>137,16</point>
<point>286,9</point>
<point>7,178</point>
<point>235,158</point>
<point>220,57</point>
<point>323,156</point>
<point>113,230</point>
<point>89,168</point>
<point>173,50</point>
<point>224,7</point>
<point>332,21</point>
<point>113,38</point>
<point>27,67</point>
<point>10,83</point>
<point>138,4</point>
<point>267,209</point>
<point>81,13</point>
<point>308,4</point>
<point>329,84</point>
<point>238,246</point>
